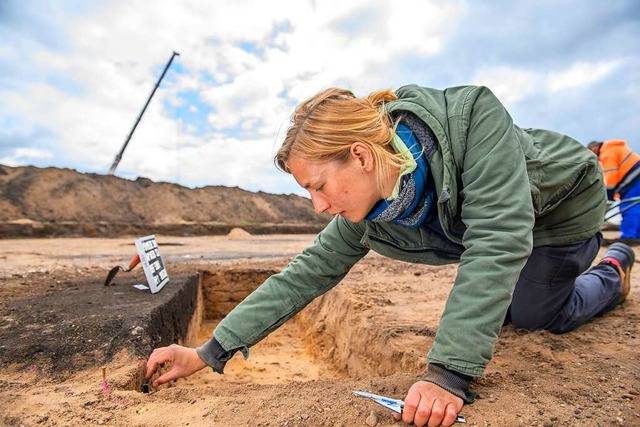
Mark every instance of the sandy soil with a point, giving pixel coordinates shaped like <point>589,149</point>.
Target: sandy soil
<point>370,333</point>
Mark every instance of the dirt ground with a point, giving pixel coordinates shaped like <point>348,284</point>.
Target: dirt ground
<point>370,333</point>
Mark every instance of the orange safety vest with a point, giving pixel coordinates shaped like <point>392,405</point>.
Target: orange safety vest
<point>617,159</point>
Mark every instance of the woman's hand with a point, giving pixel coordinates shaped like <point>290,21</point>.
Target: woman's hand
<point>427,404</point>
<point>184,362</point>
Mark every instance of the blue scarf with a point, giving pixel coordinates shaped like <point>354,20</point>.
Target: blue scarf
<point>413,206</point>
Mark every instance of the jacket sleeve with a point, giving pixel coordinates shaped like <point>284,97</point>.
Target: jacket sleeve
<point>498,215</point>
<point>312,273</point>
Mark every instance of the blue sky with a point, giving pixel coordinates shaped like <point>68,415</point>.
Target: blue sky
<point>76,74</point>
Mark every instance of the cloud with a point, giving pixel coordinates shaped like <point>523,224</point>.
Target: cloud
<point>509,85</point>
<point>580,74</point>
<point>76,74</point>
<point>512,85</point>
<point>249,70</point>
<point>26,154</point>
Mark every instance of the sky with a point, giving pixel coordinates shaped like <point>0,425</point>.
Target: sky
<point>77,73</point>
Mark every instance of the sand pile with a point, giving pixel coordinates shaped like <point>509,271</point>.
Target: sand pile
<point>238,233</point>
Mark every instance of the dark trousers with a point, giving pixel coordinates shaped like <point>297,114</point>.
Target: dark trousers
<point>557,291</point>
<point>630,225</point>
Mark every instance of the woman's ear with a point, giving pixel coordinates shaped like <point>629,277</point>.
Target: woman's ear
<point>363,155</point>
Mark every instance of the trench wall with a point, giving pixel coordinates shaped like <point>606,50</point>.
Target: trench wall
<point>223,289</point>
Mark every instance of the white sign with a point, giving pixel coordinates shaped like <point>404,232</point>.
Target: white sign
<point>152,264</point>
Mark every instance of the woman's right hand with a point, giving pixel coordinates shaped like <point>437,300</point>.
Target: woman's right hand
<point>184,362</point>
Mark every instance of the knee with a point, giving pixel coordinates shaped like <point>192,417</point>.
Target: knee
<point>535,322</point>
<point>528,321</point>
<point>560,329</point>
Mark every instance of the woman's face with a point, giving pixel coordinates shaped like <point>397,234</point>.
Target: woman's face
<point>348,189</point>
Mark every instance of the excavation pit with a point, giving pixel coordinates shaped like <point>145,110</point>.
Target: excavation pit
<point>329,339</point>
<point>288,354</point>
<point>283,356</point>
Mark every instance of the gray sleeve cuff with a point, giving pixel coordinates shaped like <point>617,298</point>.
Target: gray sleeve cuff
<point>214,355</point>
<point>453,382</point>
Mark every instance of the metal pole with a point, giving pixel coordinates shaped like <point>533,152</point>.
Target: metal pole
<point>113,167</point>
<point>635,200</point>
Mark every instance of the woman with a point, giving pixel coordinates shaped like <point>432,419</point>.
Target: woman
<point>430,176</point>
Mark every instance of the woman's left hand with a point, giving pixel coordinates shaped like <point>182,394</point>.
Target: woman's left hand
<point>427,404</point>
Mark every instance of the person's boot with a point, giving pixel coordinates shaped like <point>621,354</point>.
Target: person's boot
<point>622,257</point>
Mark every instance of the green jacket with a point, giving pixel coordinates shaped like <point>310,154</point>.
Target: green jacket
<point>501,190</point>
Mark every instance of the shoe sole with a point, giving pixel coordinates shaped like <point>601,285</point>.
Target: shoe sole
<point>625,282</point>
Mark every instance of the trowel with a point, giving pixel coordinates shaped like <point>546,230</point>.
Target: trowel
<point>394,404</point>
<point>112,273</point>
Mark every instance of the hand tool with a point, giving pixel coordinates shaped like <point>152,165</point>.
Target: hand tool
<point>394,405</point>
<point>112,273</point>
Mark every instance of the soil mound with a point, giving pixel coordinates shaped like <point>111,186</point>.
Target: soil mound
<point>45,202</point>
<point>238,233</point>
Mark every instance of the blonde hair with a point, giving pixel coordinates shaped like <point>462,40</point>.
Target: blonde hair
<point>324,127</point>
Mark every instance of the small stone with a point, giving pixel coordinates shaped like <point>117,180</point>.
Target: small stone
<point>372,419</point>
<point>304,416</point>
<point>620,421</point>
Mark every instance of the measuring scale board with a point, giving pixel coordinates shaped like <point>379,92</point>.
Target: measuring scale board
<point>152,264</point>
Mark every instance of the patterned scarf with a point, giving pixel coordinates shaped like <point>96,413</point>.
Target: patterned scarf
<point>413,206</point>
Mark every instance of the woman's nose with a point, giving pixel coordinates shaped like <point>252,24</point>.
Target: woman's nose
<point>319,203</point>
